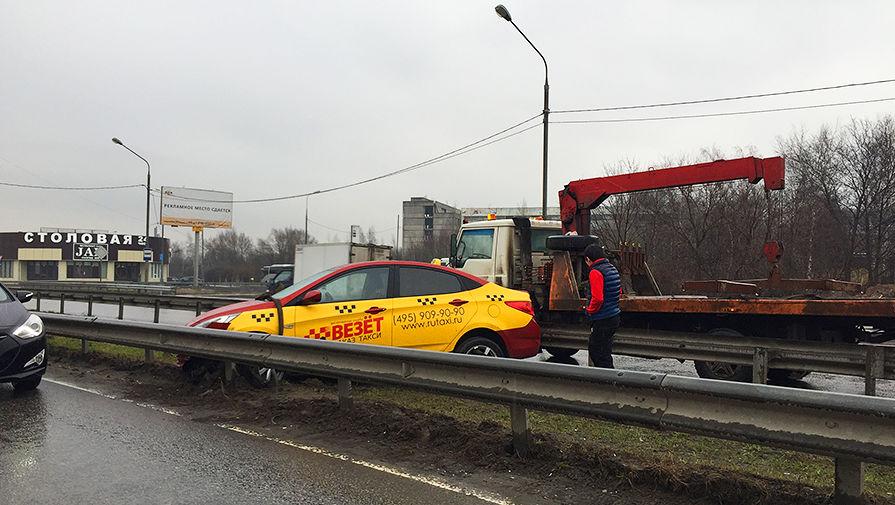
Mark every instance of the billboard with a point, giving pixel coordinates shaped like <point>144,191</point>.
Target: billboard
<point>196,207</point>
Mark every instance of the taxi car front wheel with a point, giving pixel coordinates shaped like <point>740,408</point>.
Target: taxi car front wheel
<point>481,346</point>
<point>259,377</point>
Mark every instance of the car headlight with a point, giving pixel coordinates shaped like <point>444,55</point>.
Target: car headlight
<point>32,327</point>
<point>219,323</point>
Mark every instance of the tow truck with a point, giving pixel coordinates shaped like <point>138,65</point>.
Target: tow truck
<point>545,259</point>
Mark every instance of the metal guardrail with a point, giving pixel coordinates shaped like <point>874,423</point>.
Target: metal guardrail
<point>198,304</point>
<point>850,428</point>
<point>870,361</point>
<point>127,288</point>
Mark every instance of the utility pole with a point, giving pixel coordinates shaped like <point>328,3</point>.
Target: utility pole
<point>505,14</point>
<point>197,230</point>
<point>148,187</point>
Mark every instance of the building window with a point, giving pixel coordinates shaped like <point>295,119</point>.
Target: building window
<point>127,272</point>
<point>42,270</point>
<point>6,269</point>
<point>155,270</point>
<point>85,269</point>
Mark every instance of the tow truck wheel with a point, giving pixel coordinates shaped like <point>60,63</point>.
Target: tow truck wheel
<point>561,352</point>
<point>783,375</point>
<point>259,377</point>
<point>719,370</point>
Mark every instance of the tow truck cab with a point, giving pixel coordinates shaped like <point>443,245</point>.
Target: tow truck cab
<point>493,250</point>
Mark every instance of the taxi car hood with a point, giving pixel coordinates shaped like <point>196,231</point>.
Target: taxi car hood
<point>233,308</point>
<point>12,315</point>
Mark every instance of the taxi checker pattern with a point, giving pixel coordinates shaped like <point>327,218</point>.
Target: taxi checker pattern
<point>495,298</point>
<point>427,301</point>
<point>319,333</point>
<point>346,309</point>
<point>264,317</point>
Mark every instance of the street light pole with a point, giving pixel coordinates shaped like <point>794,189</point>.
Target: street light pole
<point>505,14</point>
<point>148,186</point>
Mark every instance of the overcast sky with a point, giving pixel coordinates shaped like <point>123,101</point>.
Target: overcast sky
<point>274,98</point>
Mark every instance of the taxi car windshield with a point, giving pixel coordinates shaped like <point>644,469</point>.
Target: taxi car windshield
<point>302,283</point>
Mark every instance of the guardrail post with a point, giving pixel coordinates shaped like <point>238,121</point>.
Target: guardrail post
<point>760,366</point>
<point>38,301</point>
<point>229,371</point>
<point>876,362</point>
<point>198,308</point>
<point>90,305</point>
<point>156,312</point>
<point>84,346</point>
<point>519,426</point>
<point>62,303</point>
<point>148,355</point>
<point>345,399</point>
<point>849,488</point>
<point>121,307</point>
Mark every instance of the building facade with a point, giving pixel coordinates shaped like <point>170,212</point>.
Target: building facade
<point>426,220</point>
<point>69,255</point>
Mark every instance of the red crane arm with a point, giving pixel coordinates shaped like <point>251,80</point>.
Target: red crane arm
<point>579,197</point>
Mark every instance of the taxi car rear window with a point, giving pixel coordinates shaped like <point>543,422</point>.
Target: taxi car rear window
<point>426,281</point>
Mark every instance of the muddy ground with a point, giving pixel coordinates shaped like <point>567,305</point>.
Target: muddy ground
<point>477,456</point>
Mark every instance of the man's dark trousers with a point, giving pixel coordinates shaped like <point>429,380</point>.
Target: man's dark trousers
<point>599,346</point>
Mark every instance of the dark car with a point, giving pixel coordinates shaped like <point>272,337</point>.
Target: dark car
<point>23,346</point>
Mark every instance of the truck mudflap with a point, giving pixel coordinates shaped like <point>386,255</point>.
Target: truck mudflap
<point>523,342</point>
<point>563,288</point>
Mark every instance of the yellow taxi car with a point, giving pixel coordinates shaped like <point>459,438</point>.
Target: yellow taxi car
<point>395,303</point>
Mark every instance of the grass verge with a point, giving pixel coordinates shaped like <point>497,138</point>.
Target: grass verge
<point>113,350</point>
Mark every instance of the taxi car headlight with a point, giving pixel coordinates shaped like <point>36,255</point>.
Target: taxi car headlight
<point>31,328</point>
<point>220,323</point>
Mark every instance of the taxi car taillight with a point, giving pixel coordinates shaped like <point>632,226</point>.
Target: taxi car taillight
<point>523,306</point>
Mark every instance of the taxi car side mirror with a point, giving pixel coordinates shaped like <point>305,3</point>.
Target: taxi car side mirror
<point>311,297</point>
<point>24,296</point>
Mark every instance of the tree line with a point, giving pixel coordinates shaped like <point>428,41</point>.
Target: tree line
<point>835,218</point>
<point>232,256</point>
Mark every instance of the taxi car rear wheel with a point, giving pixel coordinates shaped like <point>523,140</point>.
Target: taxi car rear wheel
<point>481,346</point>
<point>259,377</point>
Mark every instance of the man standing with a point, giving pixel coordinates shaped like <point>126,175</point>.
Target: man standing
<point>602,306</point>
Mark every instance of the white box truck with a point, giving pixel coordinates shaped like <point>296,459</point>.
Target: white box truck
<point>313,258</point>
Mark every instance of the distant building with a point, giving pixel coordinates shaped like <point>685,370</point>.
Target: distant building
<point>473,214</point>
<point>78,255</point>
<point>425,220</point>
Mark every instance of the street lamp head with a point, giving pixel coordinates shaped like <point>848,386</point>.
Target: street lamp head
<point>116,141</point>
<point>503,12</point>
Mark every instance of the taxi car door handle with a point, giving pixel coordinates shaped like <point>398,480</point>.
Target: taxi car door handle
<point>374,310</point>
<point>458,302</point>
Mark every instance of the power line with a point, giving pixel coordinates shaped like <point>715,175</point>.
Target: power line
<point>719,114</point>
<point>468,148</point>
<point>70,188</point>
<point>327,227</point>
<point>725,99</point>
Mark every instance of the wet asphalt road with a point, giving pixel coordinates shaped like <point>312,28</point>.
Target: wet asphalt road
<point>60,445</point>
<point>815,381</point>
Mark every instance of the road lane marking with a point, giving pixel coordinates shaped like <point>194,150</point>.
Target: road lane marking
<point>488,497</point>
<point>113,397</point>
<point>432,481</point>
